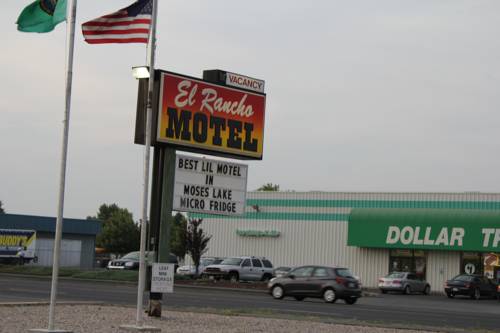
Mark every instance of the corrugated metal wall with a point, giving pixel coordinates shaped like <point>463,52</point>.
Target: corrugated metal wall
<point>313,227</point>
<point>441,266</point>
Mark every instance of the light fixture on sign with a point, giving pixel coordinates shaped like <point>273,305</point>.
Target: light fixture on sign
<point>140,72</point>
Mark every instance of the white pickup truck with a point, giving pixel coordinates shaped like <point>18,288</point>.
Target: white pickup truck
<point>17,246</point>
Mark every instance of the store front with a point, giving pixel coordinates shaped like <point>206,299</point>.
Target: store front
<point>414,236</point>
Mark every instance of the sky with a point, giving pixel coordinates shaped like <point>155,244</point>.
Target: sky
<point>362,95</point>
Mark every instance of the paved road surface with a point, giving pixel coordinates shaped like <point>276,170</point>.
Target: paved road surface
<point>437,311</point>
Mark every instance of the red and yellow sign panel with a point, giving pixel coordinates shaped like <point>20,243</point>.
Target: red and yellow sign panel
<point>209,117</point>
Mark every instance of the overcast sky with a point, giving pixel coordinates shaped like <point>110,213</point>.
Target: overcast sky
<point>385,95</point>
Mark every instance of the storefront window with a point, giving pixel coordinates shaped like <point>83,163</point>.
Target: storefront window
<point>492,266</point>
<point>472,263</point>
<point>403,260</point>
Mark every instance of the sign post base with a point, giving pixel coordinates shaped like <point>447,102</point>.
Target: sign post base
<point>154,309</point>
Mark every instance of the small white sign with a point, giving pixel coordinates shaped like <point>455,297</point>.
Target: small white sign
<point>470,268</point>
<point>245,82</point>
<point>209,186</point>
<point>162,279</point>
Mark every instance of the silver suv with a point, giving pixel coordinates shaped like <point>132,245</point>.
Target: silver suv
<point>241,268</point>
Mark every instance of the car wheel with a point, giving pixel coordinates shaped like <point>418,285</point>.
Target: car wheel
<point>407,290</point>
<point>350,300</point>
<point>427,290</point>
<point>299,298</point>
<point>383,291</point>
<point>476,294</point>
<point>233,277</point>
<point>450,295</point>
<point>329,295</point>
<point>278,292</point>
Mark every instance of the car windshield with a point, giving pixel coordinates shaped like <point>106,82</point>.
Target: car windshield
<point>149,256</point>
<point>206,261</point>
<point>344,272</point>
<point>395,276</point>
<point>283,269</point>
<point>132,256</point>
<point>232,261</point>
<point>217,261</point>
<point>466,278</point>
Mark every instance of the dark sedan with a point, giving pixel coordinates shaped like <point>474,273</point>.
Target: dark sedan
<point>131,261</point>
<point>329,283</point>
<point>470,285</point>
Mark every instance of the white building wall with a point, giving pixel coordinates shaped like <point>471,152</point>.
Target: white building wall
<point>299,243</point>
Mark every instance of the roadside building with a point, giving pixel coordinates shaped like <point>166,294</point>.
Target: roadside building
<point>436,235</point>
<point>77,244</point>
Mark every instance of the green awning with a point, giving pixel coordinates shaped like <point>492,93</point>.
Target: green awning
<point>441,229</point>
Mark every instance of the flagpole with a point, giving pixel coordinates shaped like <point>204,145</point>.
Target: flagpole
<point>70,39</point>
<point>147,148</point>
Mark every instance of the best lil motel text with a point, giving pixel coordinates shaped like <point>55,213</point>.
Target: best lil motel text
<point>220,199</point>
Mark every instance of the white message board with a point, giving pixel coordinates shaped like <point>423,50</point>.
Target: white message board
<point>162,278</point>
<point>209,186</point>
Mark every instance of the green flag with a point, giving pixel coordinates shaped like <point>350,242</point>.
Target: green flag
<point>42,16</point>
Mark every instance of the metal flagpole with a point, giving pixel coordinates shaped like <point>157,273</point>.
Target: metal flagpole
<point>147,148</point>
<point>70,39</point>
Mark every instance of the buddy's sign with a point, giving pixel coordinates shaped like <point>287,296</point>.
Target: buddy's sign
<point>438,229</point>
<point>204,117</point>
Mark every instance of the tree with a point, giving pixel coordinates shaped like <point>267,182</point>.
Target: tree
<point>119,233</point>
<point>196,241</point>
<point>2,211</point>
<point>178,235</point>
<point>269,187</point>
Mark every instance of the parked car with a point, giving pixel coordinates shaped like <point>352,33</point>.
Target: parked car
<point>329,283</point>
<point>190,270</point>
<point>498,292</point>
<point>241,268</point>
<point>280,271</point>
<point>131,261</point>
<point>472,285</point>
<point>405,282</point>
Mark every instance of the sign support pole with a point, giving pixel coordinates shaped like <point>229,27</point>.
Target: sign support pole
<point>166,178</point>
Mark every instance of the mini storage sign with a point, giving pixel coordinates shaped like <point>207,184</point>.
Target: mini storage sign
<point>162,278</point>
<point>433,229</point>
<point>209,186</point>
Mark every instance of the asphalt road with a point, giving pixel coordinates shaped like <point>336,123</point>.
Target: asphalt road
<point>429,311</point>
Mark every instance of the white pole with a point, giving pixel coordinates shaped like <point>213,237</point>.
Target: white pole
<point>70,39</point>
<point>147,148</point>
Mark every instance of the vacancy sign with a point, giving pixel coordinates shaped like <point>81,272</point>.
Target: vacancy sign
<point>162,278</point>
<point>209,186</point>
<point>245,82</point>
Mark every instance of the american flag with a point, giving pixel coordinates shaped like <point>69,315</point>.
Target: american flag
<point>128,25</point>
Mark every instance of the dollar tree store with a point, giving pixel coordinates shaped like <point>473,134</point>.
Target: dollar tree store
<point>436,235</point>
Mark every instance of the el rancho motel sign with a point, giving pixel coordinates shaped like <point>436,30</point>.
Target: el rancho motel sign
<point>206,117</point>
